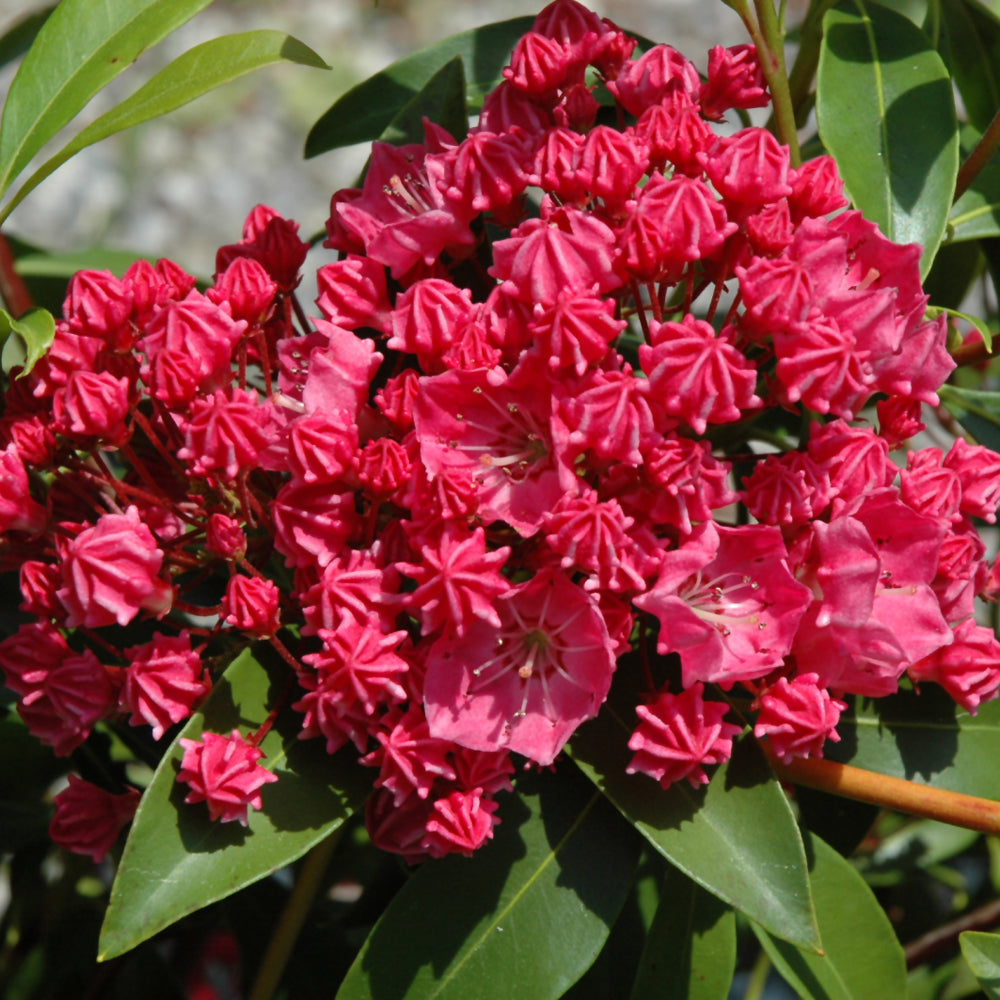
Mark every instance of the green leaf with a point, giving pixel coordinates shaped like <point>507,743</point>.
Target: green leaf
<point>81,47</point>
<point>19,38</point>
<point>925,738</point>
<point>861,956</point>
<point>982,953</point>
<point>704,832</point>
<point>190,76</point>
<point>532,908</point>
<point>972,49</point>
<point>977,411</point>
<point>176,860</point>
<point>976,215</point>
<point>690,949</point>
<point>40,264</point>
<point>25,339</point>
<point>365,111</point>
<point>953,314</point>
<point>441,99</point>
<point>885,111</point>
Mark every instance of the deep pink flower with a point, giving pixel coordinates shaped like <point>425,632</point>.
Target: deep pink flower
<point>273,242</point>
<point>225,434</point>
<point>653,77</point>
<point>458,581</point>
<point>110,573</point>
<point>679,735</point>
<point>353,585</point>
<point>409,759</point>
<point>88,819</point>
<point>312,523</point>
<point>251,604</point>
<point>735,80</point>
<point>978,469</point>
<point>479,423</point>
<point>459,823</point>
<point>968,668</point>
<point>748,168</point>
<point>698,375</point>
<point>528,684</point>
<point>93,404</point>
<point>798,716</point>
<point>224,537</point>
<point>247,289</point>
<point>18,510</point>
<point>63,705</point>
<point>359,663</point>
<point>727,602</point>
<point>224,772</point>
<point>99,305</point>
<point>575,331</point>
<point>352,293</point>
<point>164,682</point>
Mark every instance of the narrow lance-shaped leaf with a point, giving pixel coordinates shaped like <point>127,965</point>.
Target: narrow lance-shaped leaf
<point>981,952</point>
<point>365,111</point>
<point>177,860</point>
<point>861,956</point>
<point>977,411</point>
<point>81,47</point>
<point>441,99</point>
<point>187,78</point>
<point>690,951</point>
<point>530,909</point>
<point>704,832</point>
<point>885,111</point>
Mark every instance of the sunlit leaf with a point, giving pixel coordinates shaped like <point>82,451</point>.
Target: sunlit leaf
<point>976,215</point>
<point>704,832</point>
<point>861,956</point>
<point>187,78</point>
<point>365,111</point>
<point>176,860</point>
<point>982,953</point>
<point>81,47</point>
<point>885,111</point>
<point>25,339</point>
<point>526,915</point>
<point>690,951</point>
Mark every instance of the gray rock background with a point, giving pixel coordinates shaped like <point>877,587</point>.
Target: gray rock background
<point>181,186</point>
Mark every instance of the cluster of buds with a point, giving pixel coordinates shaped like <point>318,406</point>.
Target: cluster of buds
<point>594,384</point>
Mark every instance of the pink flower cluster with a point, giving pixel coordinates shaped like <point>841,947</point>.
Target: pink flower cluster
<point>503,456</point>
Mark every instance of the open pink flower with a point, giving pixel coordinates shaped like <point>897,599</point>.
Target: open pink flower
<point>224,772</point>
<point>528,684</point>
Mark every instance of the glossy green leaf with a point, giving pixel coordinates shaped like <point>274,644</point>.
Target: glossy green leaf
<point>862,958</point>
<point>953,315</point>
<point>885,111</point>
<point>977,411</point>
<point>19,38</point>
<point>441,99</point>
<point>532,908</point>
<point>971,44</point>
<point>81,47</point>
<point>704,832</point>
<point>365,111</point>
<point>39,264</point>
<point>25,339</point>
<point>981,952</point>
<point>176,860</point>
<point>690,951</point>
<point>925,738</point>
<point>190,76</point>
